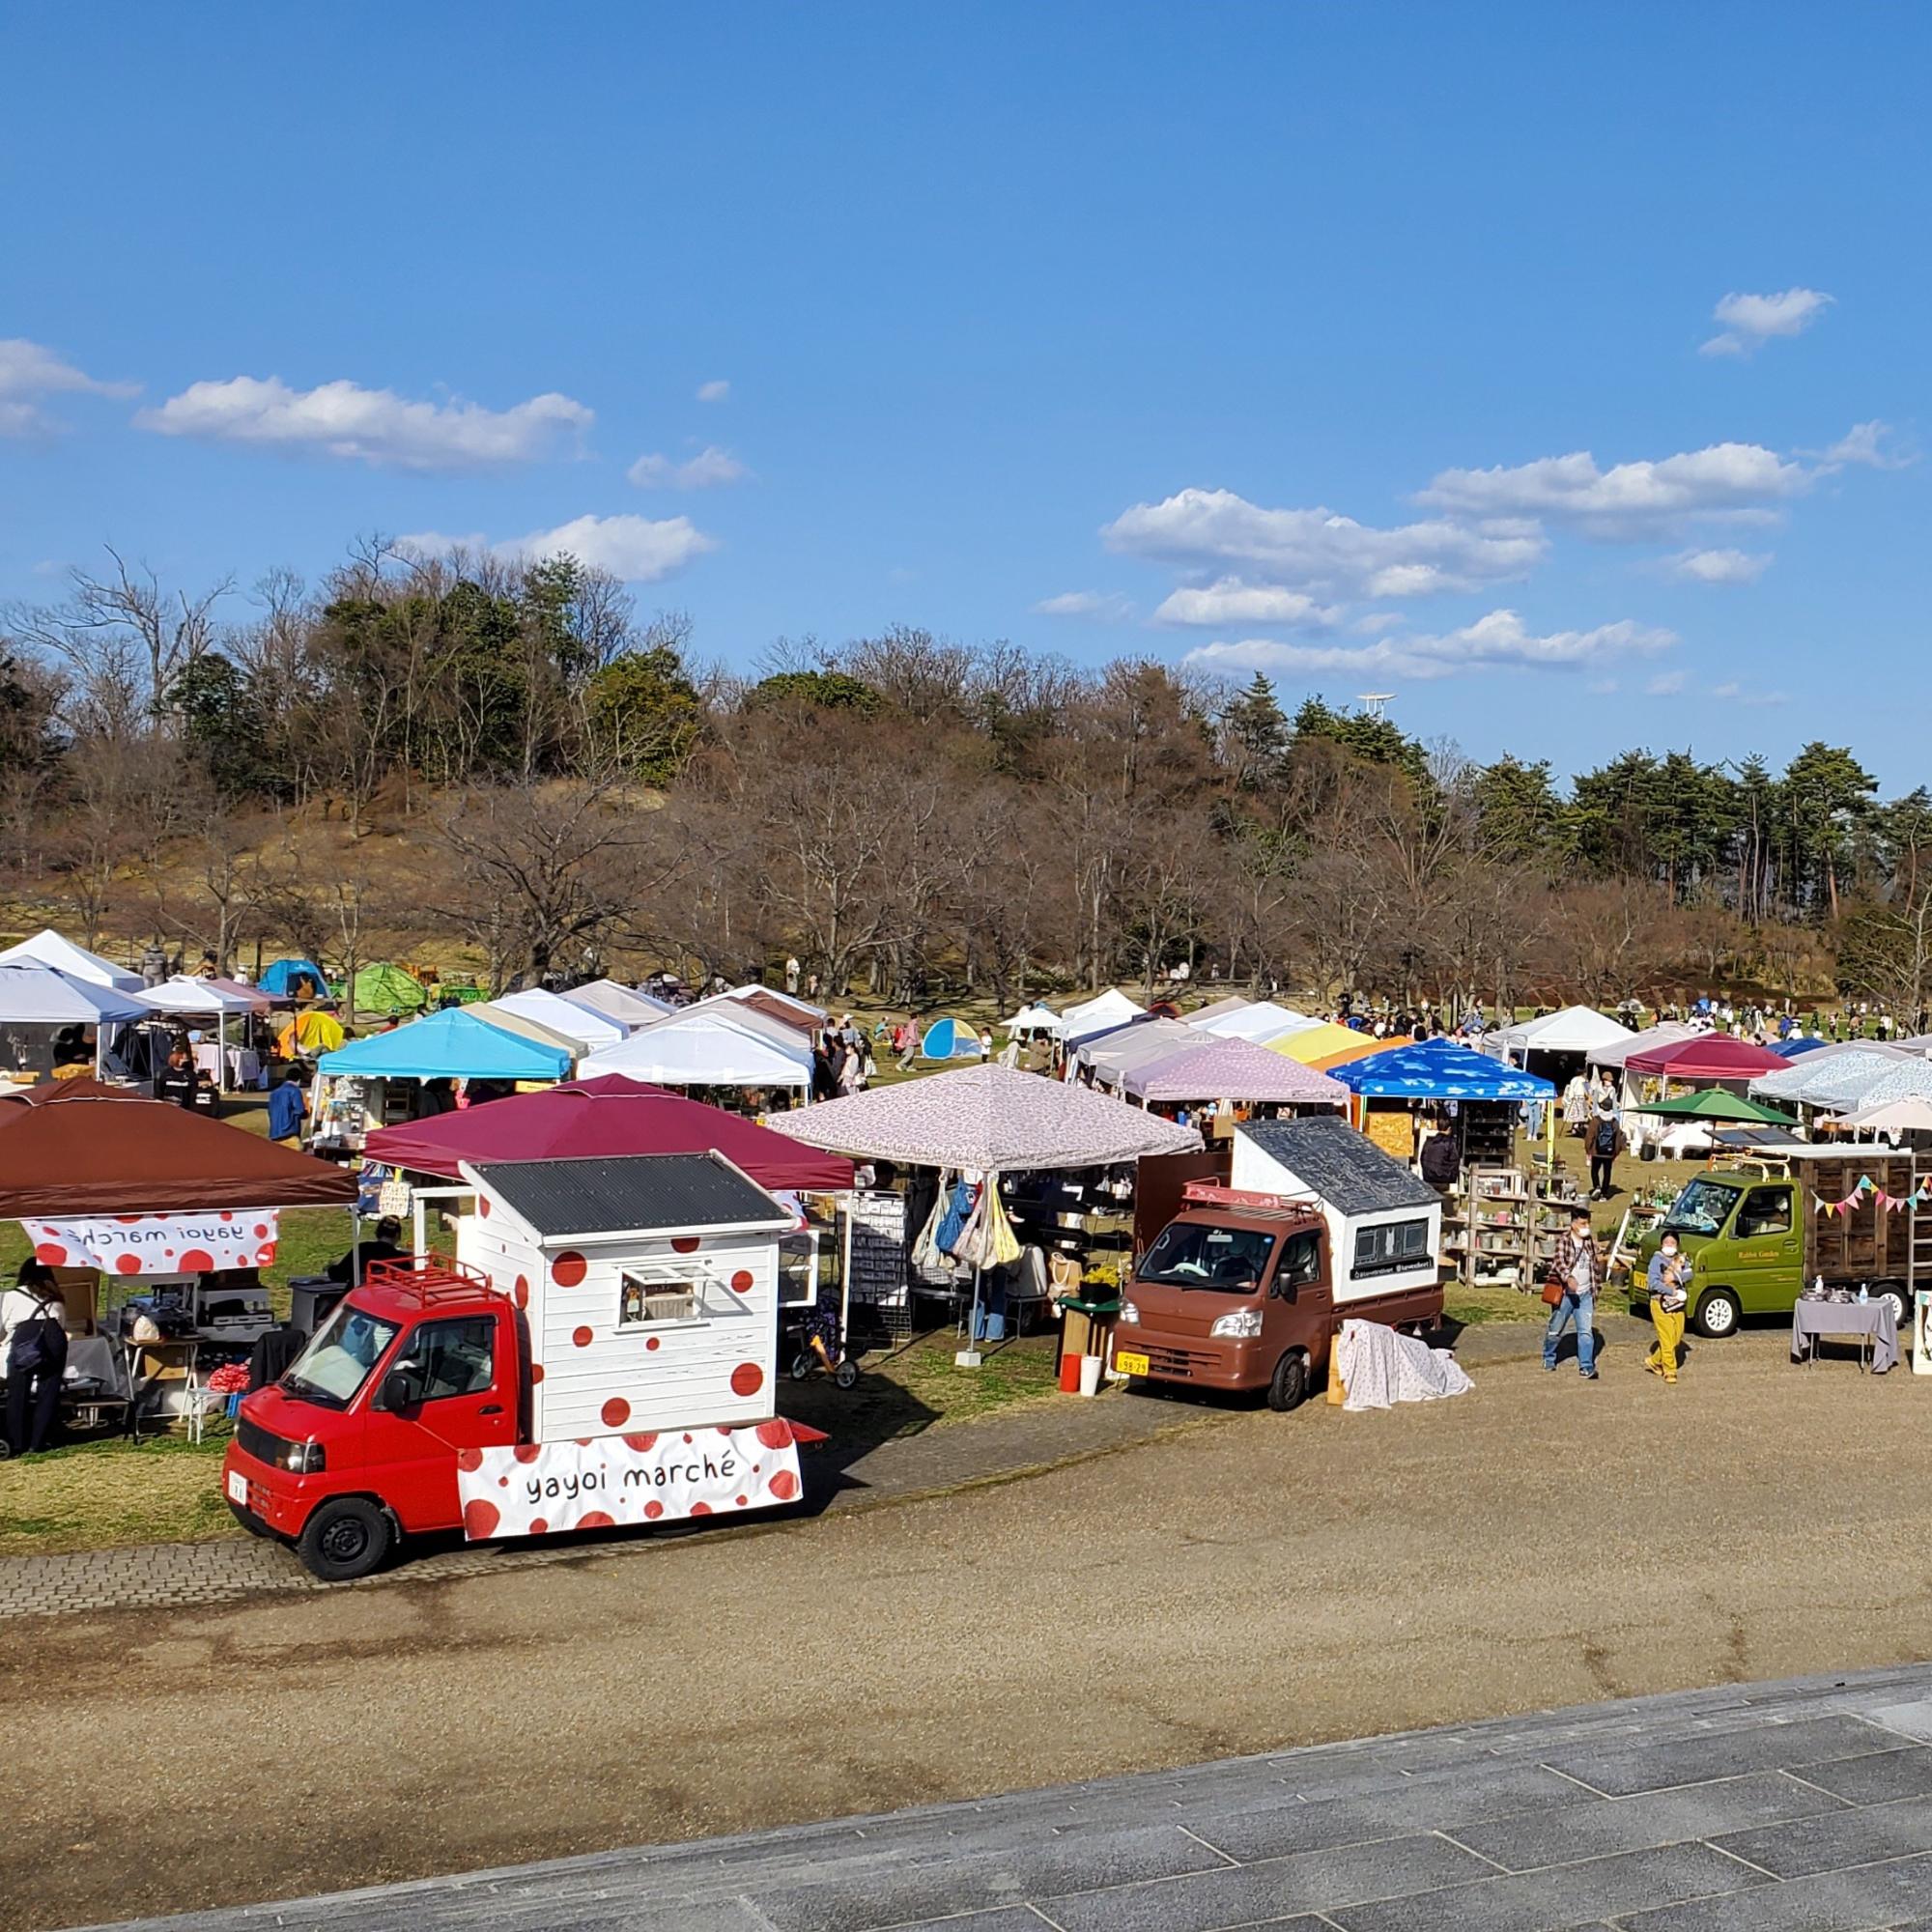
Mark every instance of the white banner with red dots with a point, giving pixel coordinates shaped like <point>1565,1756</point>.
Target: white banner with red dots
<point>158,1244</point>
<point>538,1486</point>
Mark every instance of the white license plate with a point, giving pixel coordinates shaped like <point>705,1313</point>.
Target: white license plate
<point>237,1488</point>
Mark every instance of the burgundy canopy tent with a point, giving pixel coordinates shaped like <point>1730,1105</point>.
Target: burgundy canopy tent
<point>1712,1056</point>
<point>587,1119</point>
<point>81,1147</point>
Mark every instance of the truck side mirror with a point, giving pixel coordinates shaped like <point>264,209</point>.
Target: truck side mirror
<point>399,1388</point>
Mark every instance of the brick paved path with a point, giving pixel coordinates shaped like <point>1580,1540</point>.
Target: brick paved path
<point>1793,1808</point>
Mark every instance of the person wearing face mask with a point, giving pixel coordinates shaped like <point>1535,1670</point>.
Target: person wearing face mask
<point>1669,1271</point>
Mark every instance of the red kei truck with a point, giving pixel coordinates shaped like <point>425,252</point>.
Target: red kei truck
<point>600,1350</point>
<point>1245,1288</point>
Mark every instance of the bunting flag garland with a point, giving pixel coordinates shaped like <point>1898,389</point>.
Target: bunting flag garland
<point>1889,1203</point>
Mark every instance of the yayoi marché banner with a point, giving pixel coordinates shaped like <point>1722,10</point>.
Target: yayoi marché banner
<point>158,1244</point>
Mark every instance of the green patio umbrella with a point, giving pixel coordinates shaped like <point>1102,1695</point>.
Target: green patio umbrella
<point>1715,1104</point>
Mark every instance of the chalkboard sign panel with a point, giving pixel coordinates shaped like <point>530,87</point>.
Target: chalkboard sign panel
<point>878,1272</point>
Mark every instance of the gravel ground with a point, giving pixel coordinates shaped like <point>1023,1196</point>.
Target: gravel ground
<point>1264,1582</point>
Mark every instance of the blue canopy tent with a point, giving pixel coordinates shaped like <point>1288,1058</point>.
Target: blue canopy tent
<point>280,979</point>
<point>1438,1069</point>
<point>1790,1049</point>
<point>450,1045</point>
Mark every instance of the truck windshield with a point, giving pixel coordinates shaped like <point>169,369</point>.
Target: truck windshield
<point>1198,1253</point>
<point>1703,1207</point>
<point>339,1358</point>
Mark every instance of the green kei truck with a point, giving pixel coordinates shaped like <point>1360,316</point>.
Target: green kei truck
<point>1757,1233</point>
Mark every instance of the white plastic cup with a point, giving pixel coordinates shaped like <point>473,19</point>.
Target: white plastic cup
<point>1090,1373</point>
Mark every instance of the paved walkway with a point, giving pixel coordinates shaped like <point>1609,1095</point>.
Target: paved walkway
<point>1014,1443</point>
<point>1802,1806</point>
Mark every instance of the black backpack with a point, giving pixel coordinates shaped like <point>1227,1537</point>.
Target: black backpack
<point>1607,1137</point>
<point>35,1349</point>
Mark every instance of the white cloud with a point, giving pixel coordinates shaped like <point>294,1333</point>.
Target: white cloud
<point>636,548</point>
<point>714,392</point>
<point>1751,320</point>
<point>1666,684</point>
<point>1230,601</point>
<point>1316,550</point>
<point>709,468</point>
<point>1735,482</point>
<point>1874,444</point>
<point>1104,606</point>
<point>29,371</point>
<point>1718,566</point>
<point>375,426</point>
<point>1494,643</point>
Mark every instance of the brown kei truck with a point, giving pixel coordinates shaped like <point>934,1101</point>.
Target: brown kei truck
<point>1246,1286</point>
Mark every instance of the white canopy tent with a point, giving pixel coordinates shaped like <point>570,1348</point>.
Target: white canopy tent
<point>506,1019</point>
<point>38,998</point>
<point>47,948</point>
<point>707,1049</point>
<point>1259,1022</point>
<point>1035,1018</point>
<point>620,1003</point>
<point>1613,1053</point>
<point>586,1030</point>
<point>1110,1009</point>
<point>727,1010</point>
<point>1575,1030</point>
<point>184,996</point>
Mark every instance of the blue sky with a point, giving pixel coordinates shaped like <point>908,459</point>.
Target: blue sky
<point>1088,308</point>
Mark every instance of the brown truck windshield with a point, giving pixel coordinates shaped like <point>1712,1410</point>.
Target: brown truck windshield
<point>1198,1254</point>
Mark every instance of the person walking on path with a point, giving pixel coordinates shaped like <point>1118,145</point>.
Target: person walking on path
<point>1578,1270</point>
<point>1668,1272</point>
<point>1606,1142</point>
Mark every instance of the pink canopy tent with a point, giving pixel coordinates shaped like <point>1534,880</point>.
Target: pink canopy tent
<point>1712,1056</point>
<point>587,1119</point>
<point>1233,1069</point>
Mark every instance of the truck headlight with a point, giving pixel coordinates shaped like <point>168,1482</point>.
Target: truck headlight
<point>1239,1325</point>
<point>305,1459</point>
<point>1128,1312</point>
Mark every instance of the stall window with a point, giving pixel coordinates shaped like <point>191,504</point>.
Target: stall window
<point>1767,1210</point>
<point>1391,1247</point>
<point>641,1302</point>
<point>455,1357</point>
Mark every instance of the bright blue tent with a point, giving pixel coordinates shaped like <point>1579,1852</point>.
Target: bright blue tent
<point>451,1046</point>
<point>279,982</point>
<point>1438,1069</point>
<point>1790,1049</point>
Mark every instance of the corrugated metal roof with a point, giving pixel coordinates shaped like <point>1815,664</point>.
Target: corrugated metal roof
<point>1348,1171</point>
<point>607,1196</point>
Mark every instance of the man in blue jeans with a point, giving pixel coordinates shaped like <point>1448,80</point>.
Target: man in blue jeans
<point>1580,1269</point>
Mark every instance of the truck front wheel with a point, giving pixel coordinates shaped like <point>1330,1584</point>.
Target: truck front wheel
<point>1289,1387</point>
<point>1717,1314</point>
<point>345,1539</point>
<point>1891,1291</point>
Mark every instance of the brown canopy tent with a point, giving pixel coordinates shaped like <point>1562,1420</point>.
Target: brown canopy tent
<point>79,1148</point>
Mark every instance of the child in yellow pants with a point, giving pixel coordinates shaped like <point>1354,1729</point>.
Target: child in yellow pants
<point>1667,1297</point>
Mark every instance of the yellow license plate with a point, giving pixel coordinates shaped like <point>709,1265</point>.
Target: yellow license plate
<point>1128,1364</point>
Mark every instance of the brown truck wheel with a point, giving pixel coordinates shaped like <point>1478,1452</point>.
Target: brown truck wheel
<point>1289,1388</point>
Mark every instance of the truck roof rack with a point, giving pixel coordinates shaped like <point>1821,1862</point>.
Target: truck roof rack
<point>1249,1200</point>
<point>430,1278</point>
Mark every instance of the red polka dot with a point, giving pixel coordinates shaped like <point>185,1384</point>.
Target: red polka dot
<point>483,1207</point>
<point>52,1252</point>
<point>687,1439</point>
<point>536,1373</point>
<point>479,1519</point>
<point>742,1282</point>
<point>651,1342</point>
<point>653,1509</point>
<point>226,1216</point>
<point>128,1263</point>
<point>700,1509</point>
<point>568,1268</point>
<point>784,1485</point>
<point>527,1452</point>
<point>746,1379</point>
<point>197,1261</point>
<point>538,1525</point>
<point>743,1500</point>
<point>261,1230</point>
<point>127,1220</point>
<point>503,1482</point>
<point>685,1244</point>
<point>615,1412</point>
<point>642,1444</point>
<point>470,1458</point>
<point>775,1434</point>
<point>595,1519</point>
<point>580,1338</point>
<point>521,1293</point>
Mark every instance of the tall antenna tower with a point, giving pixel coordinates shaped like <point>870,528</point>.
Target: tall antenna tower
<point>1376,702</point>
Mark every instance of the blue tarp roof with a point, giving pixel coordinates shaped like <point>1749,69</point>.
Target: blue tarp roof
<point>452,1045</point>
<point>1439,1070</point>
<point>1790,1049</point>
<point>279,978</point>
